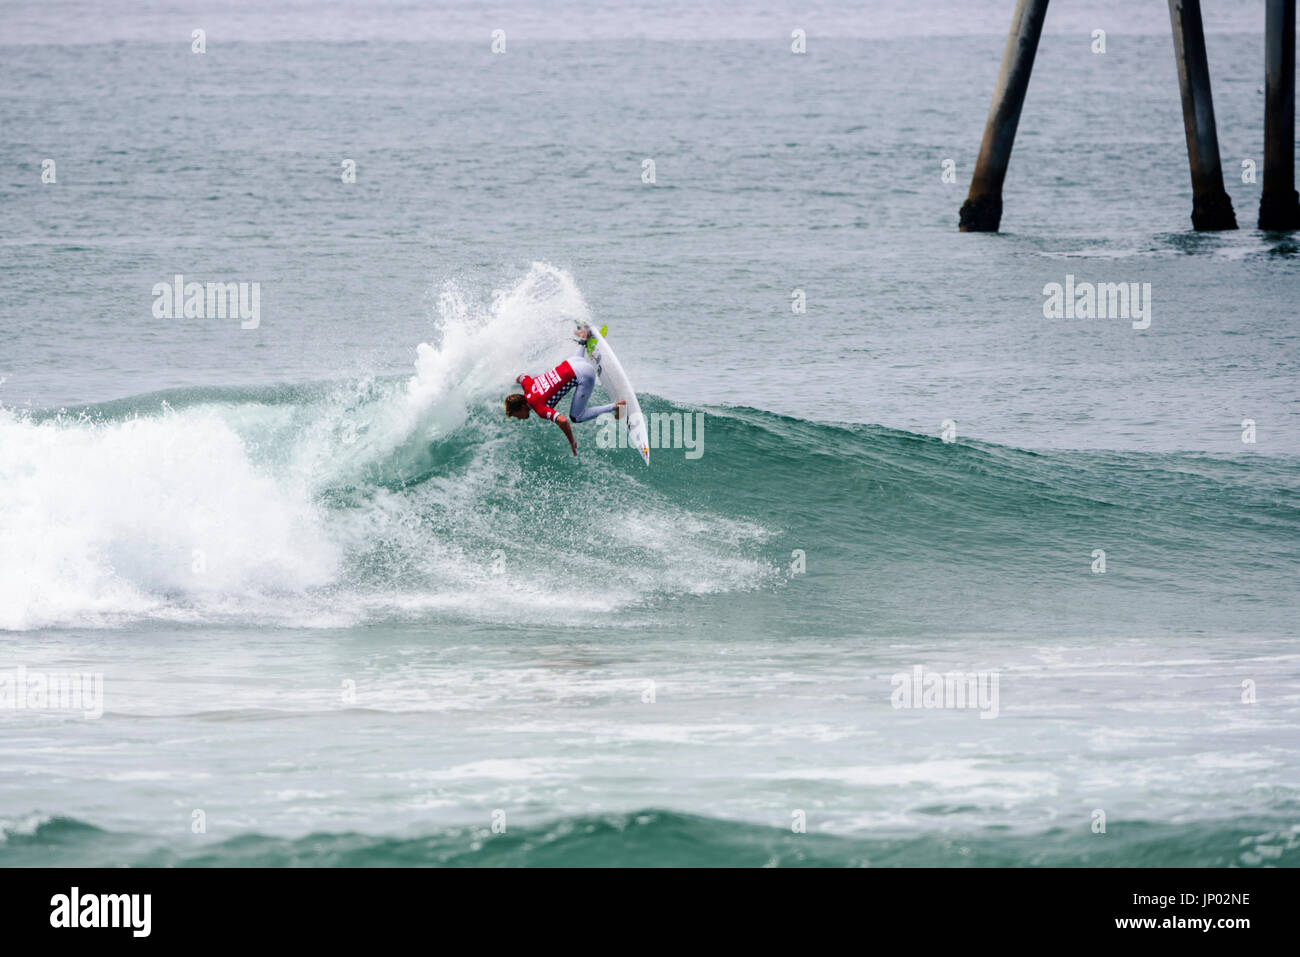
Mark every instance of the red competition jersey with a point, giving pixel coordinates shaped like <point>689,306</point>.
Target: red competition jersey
<point>548,388</point>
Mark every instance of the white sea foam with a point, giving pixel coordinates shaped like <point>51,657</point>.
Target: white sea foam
<point>103,519</point>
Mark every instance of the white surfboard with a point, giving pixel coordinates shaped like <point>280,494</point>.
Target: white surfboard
<point>614,379</point>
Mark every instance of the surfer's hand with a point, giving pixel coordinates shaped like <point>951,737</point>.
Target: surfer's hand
<point>567,429</point>
<point>618,409</point>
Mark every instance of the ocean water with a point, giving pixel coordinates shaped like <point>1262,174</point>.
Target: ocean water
<point>345,613</point>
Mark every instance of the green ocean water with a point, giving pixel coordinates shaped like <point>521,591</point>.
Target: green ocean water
<point>663,839</point>
<point>346,614</point>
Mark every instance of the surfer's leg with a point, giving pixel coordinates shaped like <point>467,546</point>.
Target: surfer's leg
<point>586,381</point>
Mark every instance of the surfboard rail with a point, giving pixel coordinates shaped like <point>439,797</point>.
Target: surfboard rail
<point>613,377</point>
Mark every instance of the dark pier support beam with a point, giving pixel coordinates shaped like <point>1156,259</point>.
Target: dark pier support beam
<point>1211,207</point>
<point>1279,206</point>
<point>982,211</point>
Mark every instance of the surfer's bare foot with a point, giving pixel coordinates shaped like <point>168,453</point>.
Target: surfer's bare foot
<point>618,409</point>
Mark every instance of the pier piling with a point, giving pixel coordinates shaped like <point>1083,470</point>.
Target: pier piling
<point>1279,206</point>
<point>982,211</point>
<point>1211,207</point>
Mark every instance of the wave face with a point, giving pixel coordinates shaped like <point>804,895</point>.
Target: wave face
<point>337,502</point>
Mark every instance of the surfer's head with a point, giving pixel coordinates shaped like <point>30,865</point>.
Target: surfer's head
<point>516,406</point>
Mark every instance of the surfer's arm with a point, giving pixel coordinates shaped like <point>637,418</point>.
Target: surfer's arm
<point>583,353</point>
<point>567,429</point>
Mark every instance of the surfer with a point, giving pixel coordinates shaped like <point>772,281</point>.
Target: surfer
<point>575,374</point>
